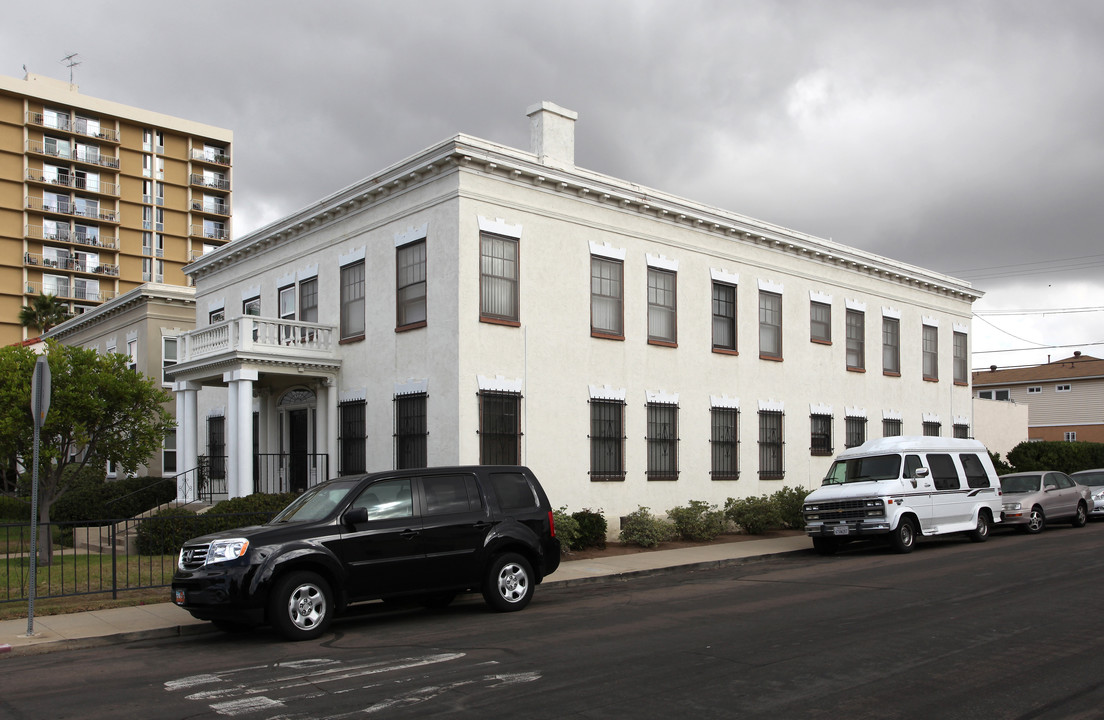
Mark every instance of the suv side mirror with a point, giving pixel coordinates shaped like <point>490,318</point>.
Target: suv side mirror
<point>355,516</point>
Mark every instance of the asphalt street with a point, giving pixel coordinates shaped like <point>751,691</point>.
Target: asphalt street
<point>1004,629</point>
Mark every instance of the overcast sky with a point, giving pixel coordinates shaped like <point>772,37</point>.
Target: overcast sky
<point>960,136</point>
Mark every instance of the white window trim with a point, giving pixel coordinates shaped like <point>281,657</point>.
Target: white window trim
<point>1064,387</point>
<point>661,397</point>
<point>605,392</point>
<point>498,226</point>
<point>724,401</point>
<point>412,234</point>
<point>413,386</point>
<point>722,276</point>
<point>604,250</point>
<point>499,384</point>
<point>662,262</point>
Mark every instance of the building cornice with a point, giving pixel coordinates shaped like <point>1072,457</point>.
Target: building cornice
<point>126,301</point>
<point>469,154</point>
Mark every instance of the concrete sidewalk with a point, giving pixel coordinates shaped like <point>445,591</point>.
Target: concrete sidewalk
<point>120,625</point>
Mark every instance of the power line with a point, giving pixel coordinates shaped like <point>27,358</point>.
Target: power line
<point>1055,311</point>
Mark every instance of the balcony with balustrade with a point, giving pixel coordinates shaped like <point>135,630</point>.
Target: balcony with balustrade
<point>65,291</point>
<point>88,156</point>
<point>66,206</point>
<point>211,156</point>
<point>97,186</point>
<point>211,208</point>
<point>73,264</point>
<point>216,183</point>
<point>280,346</point>
<point>65,234</point>
<point>80,126</point>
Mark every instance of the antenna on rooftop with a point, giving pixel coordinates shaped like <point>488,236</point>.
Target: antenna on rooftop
<point>71,62</point>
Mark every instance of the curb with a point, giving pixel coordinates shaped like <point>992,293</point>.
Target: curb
<point>651,572</point>
<point>51,646</point>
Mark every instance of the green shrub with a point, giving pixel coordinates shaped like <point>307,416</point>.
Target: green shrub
<point>754,515</point>
<point>14,509</point>
<point>92,499</point>
<point>167,530</point>
<point>644,529</point>
<point>567,530</point>
<point>789,503</point>
<point>255,509</point>
<point>697,522</point>
<point>592,528</point>
<point>1067,457</point>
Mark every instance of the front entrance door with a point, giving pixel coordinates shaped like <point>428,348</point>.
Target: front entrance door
<point>298,445</point>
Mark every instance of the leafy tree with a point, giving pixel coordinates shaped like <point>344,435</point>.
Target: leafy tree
<point>100,411</point>
<point>44,312</point>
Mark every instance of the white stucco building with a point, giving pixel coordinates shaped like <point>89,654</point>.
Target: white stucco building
<point>479,303</point>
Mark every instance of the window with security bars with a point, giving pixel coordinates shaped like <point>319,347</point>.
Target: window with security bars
<point>932,429</point>
<point>724,443</point>
<point>662,441</point>
<point>820,434</point>
<point>499,428</point>
<point>770,445</point>
<point>724,317</point>
<point>410,302</point>
<point>411,434</point>
<point>352,437</point>
<point>607,440</point>
<point>962,431</point>
<point>891,428</point>
<point>216,448</point>
<point>855,431</point>
<point>498,279</point>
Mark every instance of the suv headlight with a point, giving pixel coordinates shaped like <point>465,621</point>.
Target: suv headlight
<point>223,550</point>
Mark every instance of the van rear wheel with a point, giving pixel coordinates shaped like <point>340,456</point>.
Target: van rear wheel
<point>903,538</point>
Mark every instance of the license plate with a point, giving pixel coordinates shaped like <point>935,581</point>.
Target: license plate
<point>178,596</point>
<point>841,530</point>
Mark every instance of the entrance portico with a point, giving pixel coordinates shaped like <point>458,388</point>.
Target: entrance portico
<point>281,372</point>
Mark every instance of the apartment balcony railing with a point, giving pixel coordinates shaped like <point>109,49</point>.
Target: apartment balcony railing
<point>71,263</point>
<point>84,156</point>
<point>72,181</point>
<point>218,157</point>
<point>68,292</point>
<point>66,234</point>
<point>63,206</point>
<point>271,337</point>
<point>211,208</point>
<point>215,183</point>
<point>79,127</point>
<point>210,233</point>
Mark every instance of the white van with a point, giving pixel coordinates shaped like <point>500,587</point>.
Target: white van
<point>903,487</point>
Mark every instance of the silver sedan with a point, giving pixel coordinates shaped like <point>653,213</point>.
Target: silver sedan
<point>1031,499</point>
<point>1094,480</point>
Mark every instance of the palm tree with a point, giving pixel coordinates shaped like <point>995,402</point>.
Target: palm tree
<point>44,312</point>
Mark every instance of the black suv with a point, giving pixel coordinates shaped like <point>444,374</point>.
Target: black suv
<point>426,534</point>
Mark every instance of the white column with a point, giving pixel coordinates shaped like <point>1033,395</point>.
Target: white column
<point>231,438</point>
<point>322,431</point>
<point>239,446</point>
<point>331,423</point>
<point>187,440</point>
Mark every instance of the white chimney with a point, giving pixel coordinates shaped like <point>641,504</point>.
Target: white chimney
<point>552,133</point>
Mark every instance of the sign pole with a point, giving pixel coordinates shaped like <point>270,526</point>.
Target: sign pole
<point>40,404</point>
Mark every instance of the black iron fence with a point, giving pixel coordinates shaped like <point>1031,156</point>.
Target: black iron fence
<point>108,557</point>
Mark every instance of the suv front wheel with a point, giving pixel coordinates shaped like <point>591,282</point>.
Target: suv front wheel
<point>508,585</point>
<point>301,606</point>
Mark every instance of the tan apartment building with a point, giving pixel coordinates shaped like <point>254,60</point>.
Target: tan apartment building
<point>97,198</point>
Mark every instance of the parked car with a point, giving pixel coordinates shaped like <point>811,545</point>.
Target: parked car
<point>426,534</point>
<point>1094,481</point>
<point>902,488</point>
<point>1032,499</point>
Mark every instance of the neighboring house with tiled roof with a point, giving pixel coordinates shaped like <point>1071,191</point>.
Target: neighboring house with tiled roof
<point>1065,398</point>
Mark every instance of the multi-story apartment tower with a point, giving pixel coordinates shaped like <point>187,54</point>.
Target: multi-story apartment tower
<point>97,197</point>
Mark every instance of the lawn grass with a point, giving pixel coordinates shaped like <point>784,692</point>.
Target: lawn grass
<point>86,580</point>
